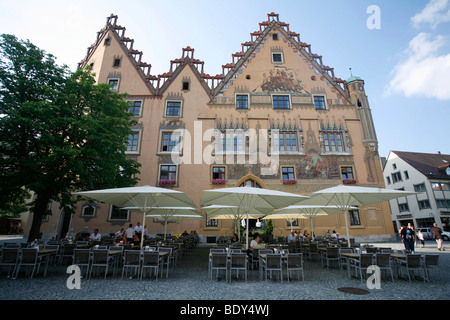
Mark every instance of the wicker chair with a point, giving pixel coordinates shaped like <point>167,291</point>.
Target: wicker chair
<point>82,258</point>
<point>132,260</point>
<point>431,261</point>
<point>294,262</point>
<point>383,261</point>
<point>10,258</point>
<point>273,263</point>
<point>151,260</point>
<point>238,261</point>
<point>218,262</point>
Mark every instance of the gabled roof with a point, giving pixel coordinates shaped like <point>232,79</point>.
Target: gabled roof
<point>294,38</point>
<point>212,84</point>
<point>431,165</point>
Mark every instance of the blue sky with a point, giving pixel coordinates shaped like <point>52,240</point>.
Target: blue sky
<point>405,63</point>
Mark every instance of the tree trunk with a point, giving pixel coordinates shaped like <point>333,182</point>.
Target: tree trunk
<point>39,211</point>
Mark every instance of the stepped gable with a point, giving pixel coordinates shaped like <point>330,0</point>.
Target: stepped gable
<point>127,43</point>
<point>249,48</point>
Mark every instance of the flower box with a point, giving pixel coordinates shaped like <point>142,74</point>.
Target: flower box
<point>218,181</point>
<point>167,182</point>
<point>349,181</point>
<point>290,181</point>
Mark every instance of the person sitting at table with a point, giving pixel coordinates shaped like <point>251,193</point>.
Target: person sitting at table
<point>305,234</point>
<point>95,236</point>
<point>137,239</point>
<point>255,242</point>
<point>235,238</point>
<point>291,237</point>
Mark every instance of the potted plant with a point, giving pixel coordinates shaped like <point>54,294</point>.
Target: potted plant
<point>349,181</point>
<point>167,182</point>
<point>289,181</point>
<point>218,181</point>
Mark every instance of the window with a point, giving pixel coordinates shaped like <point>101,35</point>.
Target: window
<point>115,84</point>
<point>388,179</point>
<point>232,140</point>
<point>107,41</point>
<point>135,107</point>
<point>118,214</point>
<point>185,85</point>
<point>293,223</point>
<point>419,187</point>
<point>275,36</point>
<point>394,166</point>
<point>218,173</point>
<point>285,141</point>
<point>211,222</point>
<point>88,211</point>
<point>170,141</point>
<point>241,101</point>
<point>402,207</point>
<point>396,177</point>
<point>445,186</point>
<point>277,57</point>
<point>280,101</point>
<point>319,102</point>
<point>133,142</point>
<point>167,172</point>
<point>442,203</point>
<point>347,175</point>
<point>288,173</point>
<point>354,217</point>
<point>333,142</point>
<point>406,175</point>
<point>424,204</point>
<point>173,108</point>
<point>436,186</point>
<point>116,62</point>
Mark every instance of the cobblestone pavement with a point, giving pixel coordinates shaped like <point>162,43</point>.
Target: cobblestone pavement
<point>189,281</point>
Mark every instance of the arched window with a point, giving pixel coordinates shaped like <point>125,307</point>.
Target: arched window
<point>250,183</point>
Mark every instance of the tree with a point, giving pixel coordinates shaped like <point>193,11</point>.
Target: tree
<point>59,131</point>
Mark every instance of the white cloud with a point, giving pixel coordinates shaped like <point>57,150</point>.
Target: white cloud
<point>435,12</point>
<point>423,72</point>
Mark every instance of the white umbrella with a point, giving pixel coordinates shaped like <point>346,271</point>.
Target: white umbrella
<point>166,213</point>
<point>143,197</point>
<point>345,197</point>
<point>293,212</point>
<point>248,198</point>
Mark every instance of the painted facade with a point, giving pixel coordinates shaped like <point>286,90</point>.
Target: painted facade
<point>198,131</point>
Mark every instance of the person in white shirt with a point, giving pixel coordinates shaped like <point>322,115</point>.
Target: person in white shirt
<point>138,228</point>
<point>130,234</point>
<point>95,236</point>
<point>255,242</point>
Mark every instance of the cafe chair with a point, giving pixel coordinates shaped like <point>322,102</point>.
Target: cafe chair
<point>343,259</point>
<point>10,259</point>
<point>431,262</point>
<point>331,254</point>
<point>100,260</point>
<point>294,262</point>
<point>238,261</point>
<point>273,263</point>
<point>53,257</point>
<point>412,263</point>
<point>151,260</point>
<point>218,262</point>
<point>313,251</point>
<point>384,262</point>
<point>166,259</point>
<point>30,259</point>
<point>361,264</point>
<point>66,252</point>
<point>82,258</point>
<point>254,256</point>
<point>132,260</point>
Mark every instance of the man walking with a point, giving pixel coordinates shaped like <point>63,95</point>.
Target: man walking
<point>437,234</point>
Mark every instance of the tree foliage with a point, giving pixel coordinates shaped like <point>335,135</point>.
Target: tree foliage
<point>59,131</point>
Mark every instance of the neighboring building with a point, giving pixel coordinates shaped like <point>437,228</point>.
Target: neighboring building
<point>428,174</point>
<point>317,128</point>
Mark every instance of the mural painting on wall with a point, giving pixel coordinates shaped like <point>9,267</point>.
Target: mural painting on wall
<point>314,166</point>
<point>282,79</point>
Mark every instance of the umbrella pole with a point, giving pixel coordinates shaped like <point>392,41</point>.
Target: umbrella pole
<point>346,226</point>
<point>312,227</point>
